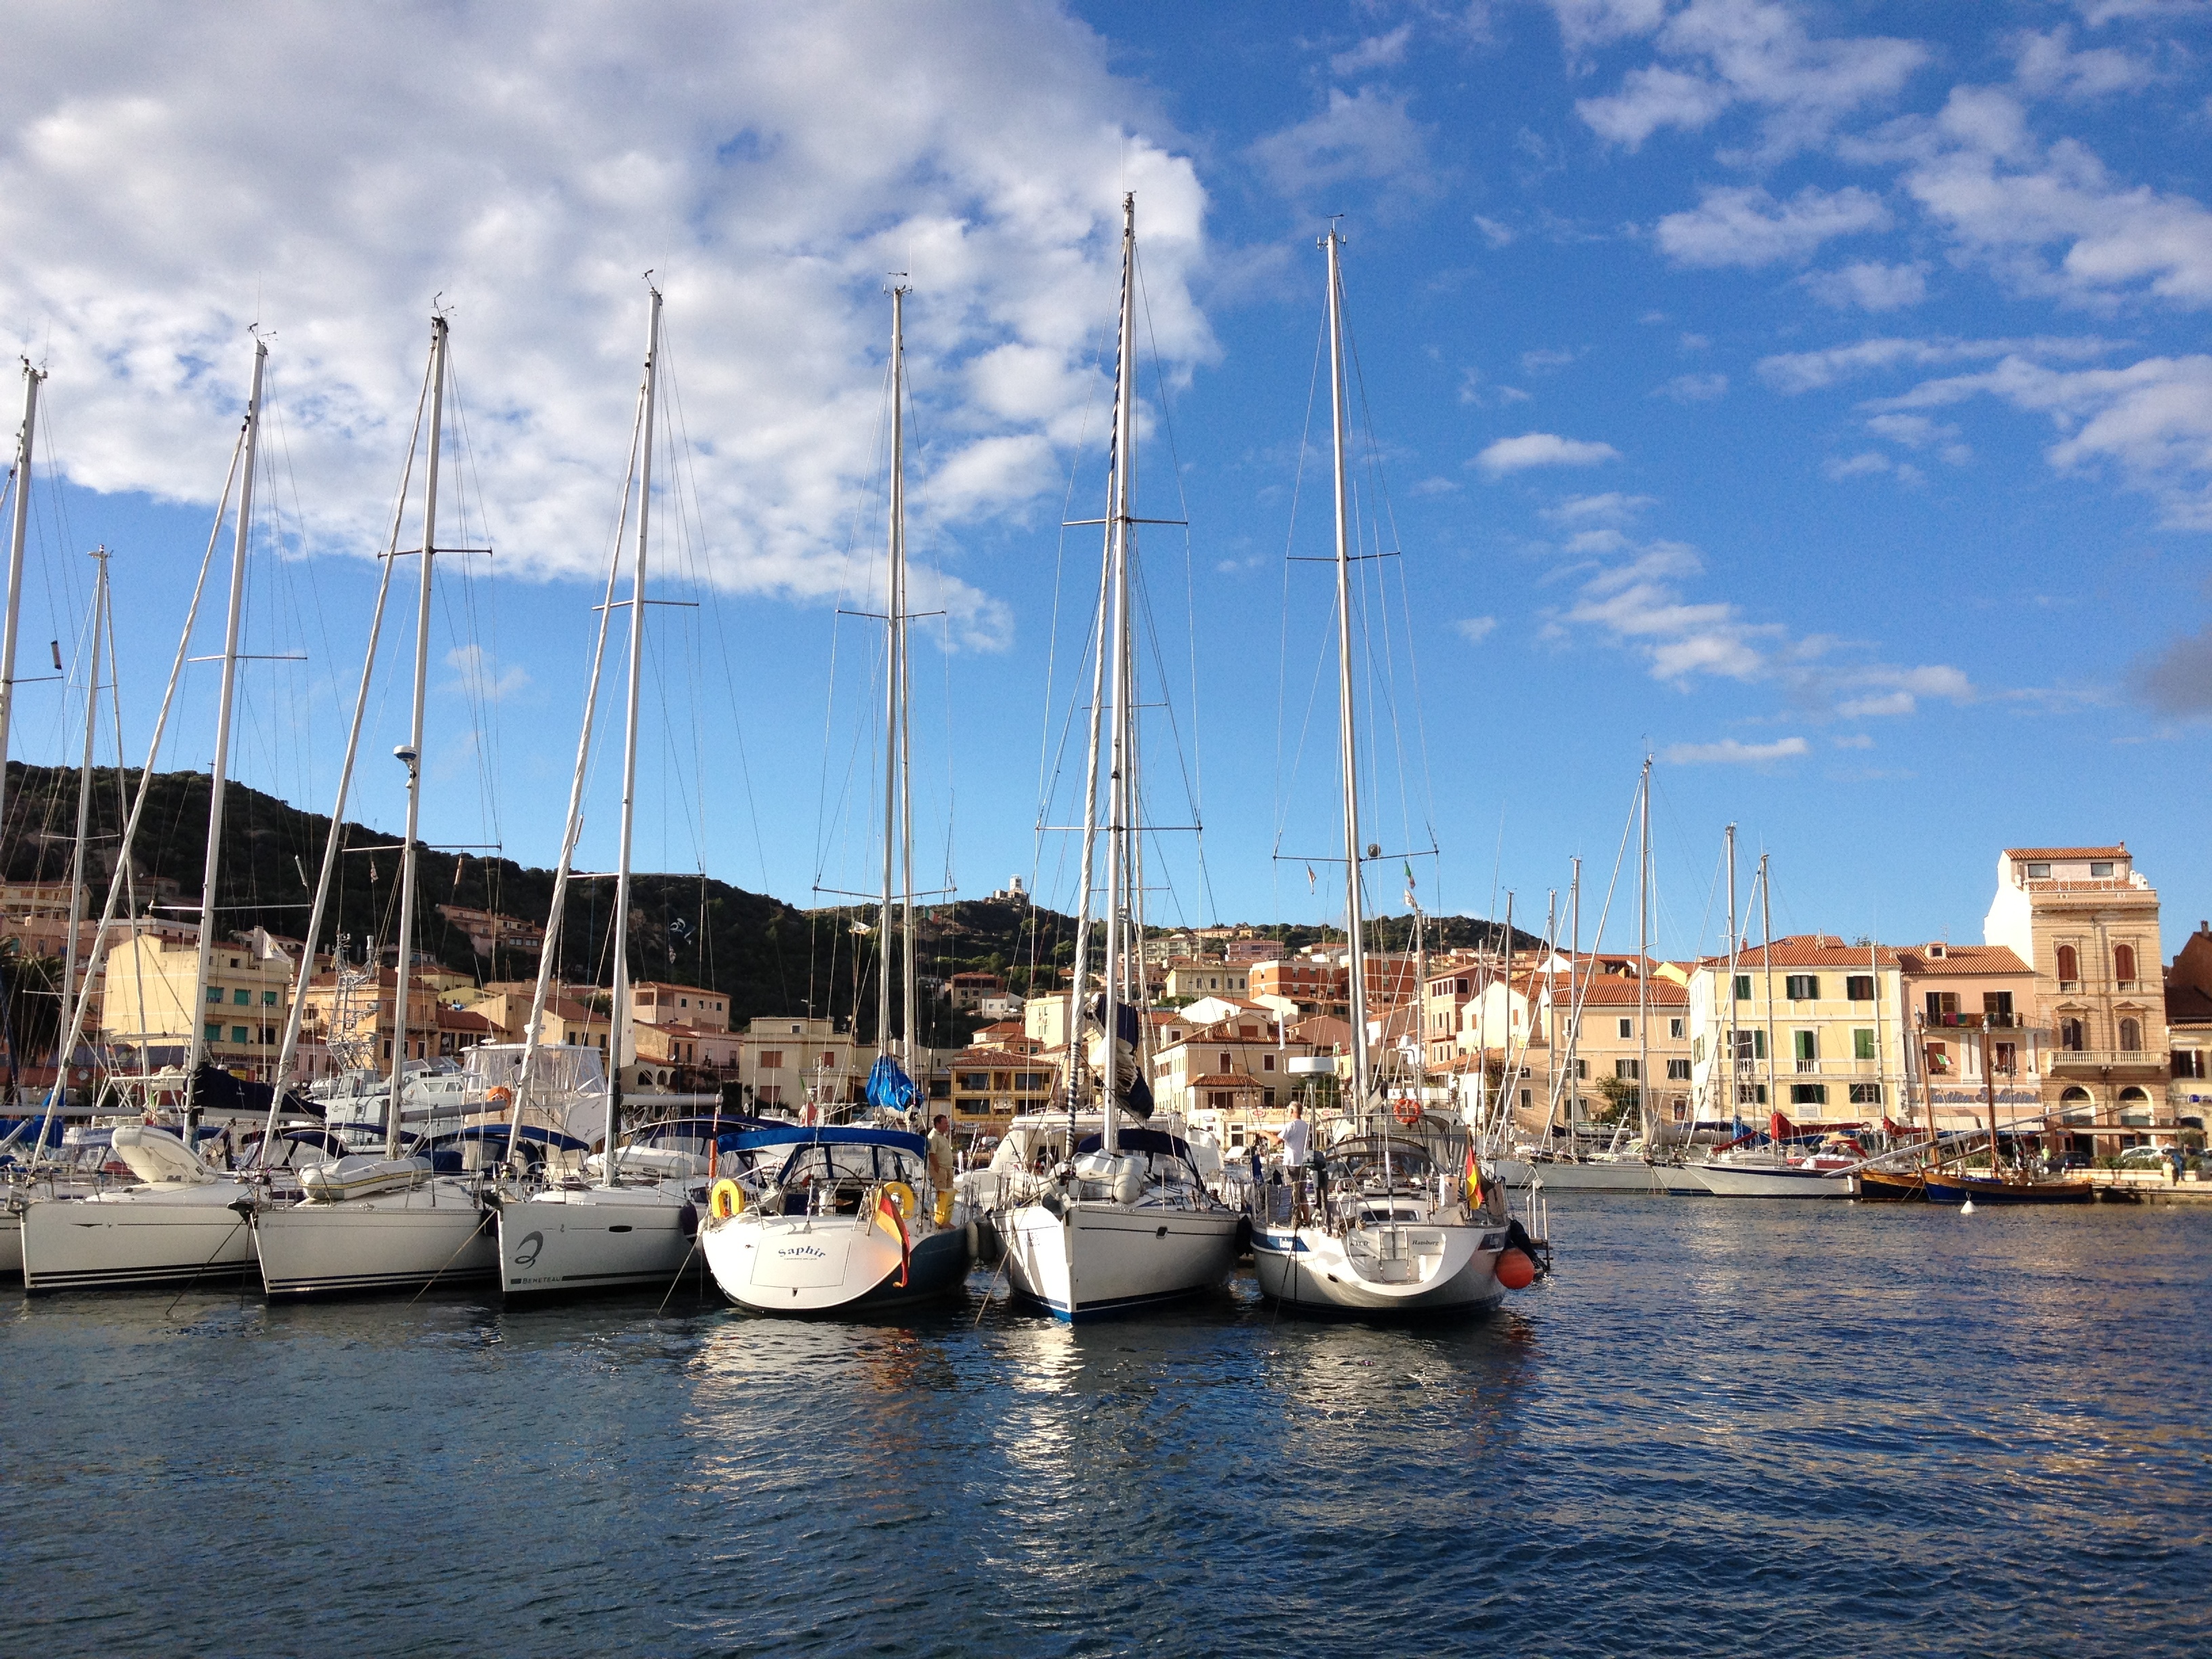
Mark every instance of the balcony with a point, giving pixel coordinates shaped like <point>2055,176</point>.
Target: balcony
<point>2079,1059</point>
<point>1968,1021</point>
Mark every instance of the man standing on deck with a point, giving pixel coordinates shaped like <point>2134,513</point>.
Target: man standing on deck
<point>942,1168</point>
<point>1296,1135</point>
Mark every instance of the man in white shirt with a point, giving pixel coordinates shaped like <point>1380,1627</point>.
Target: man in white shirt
<point>1296,1135</point>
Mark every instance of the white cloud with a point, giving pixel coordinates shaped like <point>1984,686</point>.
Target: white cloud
<point>1642,603</point>
<point>481,679</point>
<point>2048,66</point>
<point>1869,285</point>
<point>1545,360</point>
<point>1855,740</point>
<point>1475,629</point>
<point>1721,53</point>
<point>2006,198</point>
<point>1728,752</point>
<point>1857,466</point>
<point>1694,388</point>
<point>1542,449</point>
<point>1376,51</point>
<point>1612,509</point>
<point>165,178</point>
<point>1884,702</point>
<point>1741,225</point>
<point>1919,432</point>
<point>2152,420</point>
<point>1793,372</point>
<point>1363,135</point>
<point>1587,23</point>
<point>1497,235</point>
<point>1653,97</point>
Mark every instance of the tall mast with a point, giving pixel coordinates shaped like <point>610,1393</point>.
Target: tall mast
<point>1730,1026</point>
<point>288,1049</point>
<point>573,827</point>
<point>412,754</point>
<point>1574,1003</point>
<point>1117,794</point>
<point>898,818</point>
<point>1080,969</point>
<point>219,772</point>
<point>83,792</point>
<point>1353,922</point>
<point>18,531</point>
<point>1646,1111</point>
<point>1766,971</point>
<point>618,1014</point>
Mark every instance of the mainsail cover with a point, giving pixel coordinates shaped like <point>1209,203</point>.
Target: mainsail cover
<point>889,1086</point>
<point>1130,1087</point>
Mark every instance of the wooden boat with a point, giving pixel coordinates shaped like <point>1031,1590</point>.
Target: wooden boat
<point>1890,1186</point>
<point>1957,1186</point>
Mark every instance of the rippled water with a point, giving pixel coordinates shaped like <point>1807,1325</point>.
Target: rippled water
<point>1722,1427</point>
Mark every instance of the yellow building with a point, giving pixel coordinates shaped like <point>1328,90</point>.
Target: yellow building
<point>148,1002</point>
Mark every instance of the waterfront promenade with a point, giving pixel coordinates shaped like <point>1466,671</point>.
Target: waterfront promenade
<point>1720,1428</point>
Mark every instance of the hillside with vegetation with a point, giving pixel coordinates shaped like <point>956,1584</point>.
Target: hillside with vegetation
<point>769,956</point>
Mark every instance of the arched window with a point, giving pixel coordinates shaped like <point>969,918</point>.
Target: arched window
<point>2070,1034</point>
<point>2123,963</point>
<point>2069,962</point>
<point>2130,1037</point>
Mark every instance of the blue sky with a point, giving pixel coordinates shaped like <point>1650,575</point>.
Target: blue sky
<point>1813,393</point>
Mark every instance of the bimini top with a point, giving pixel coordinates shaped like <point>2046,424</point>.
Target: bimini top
<point>800,1134</point>
<point>1141,1140</point>
<point>491,1134</point>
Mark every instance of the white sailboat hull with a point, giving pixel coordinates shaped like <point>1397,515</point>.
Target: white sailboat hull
<point>11,1244</point>
<point>569,1241</point>
<point>1625,1175</point>
<point>1749,1181</point>
<point>436,1233</point>
<point>1397,1269</point>
<point>830,1264</point>
<point>1097,1258</point>
<point>161,1234</point>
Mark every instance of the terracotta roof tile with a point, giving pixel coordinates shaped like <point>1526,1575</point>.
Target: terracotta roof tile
<point>2039,854</point>
<point>1962,959</point>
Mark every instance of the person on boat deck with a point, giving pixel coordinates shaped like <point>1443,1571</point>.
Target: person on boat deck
<point>942,1166</point>
<point>1295,1134</point>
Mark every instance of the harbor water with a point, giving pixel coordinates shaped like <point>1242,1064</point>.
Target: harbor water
<point>1721,1427</point>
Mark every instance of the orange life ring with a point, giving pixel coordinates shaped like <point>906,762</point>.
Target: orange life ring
<point>499,1095</point>
<point>1407,1112</point>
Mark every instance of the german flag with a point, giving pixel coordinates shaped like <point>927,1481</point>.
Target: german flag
<point>887,1212</point>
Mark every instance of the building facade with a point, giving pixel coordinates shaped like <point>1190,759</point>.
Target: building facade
<point>2086,922</point>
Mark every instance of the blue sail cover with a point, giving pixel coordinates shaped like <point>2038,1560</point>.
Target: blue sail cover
<point>890,1087</point>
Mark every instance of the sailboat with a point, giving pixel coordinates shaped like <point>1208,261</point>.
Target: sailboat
<point>631,1217</point>
<point>844,1218</point>
<point>181,1220</point>
<point>1127,1221</point>
<point>364,1222</point>
<point>1767,1171</point>
<point>1382,1224</point>
<point>1635,1167</point>
<point>35,1175</point>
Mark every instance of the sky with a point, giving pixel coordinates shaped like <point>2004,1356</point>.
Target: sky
<point>1811,396</point>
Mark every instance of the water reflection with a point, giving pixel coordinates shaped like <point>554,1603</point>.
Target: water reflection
<point>1721,1425</point>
